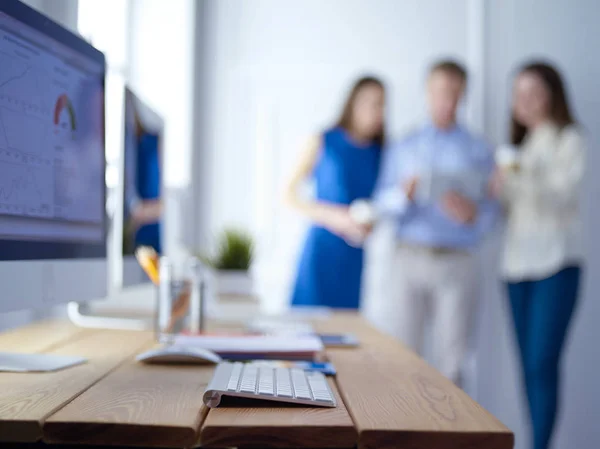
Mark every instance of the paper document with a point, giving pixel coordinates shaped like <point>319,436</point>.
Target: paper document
<point>36,363</point>
<point>276,326</point>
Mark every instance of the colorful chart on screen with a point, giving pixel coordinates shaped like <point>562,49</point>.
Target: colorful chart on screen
<point>50,123</point>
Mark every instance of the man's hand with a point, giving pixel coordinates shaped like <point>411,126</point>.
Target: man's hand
<point>460,208</point>
<point>410,188</point>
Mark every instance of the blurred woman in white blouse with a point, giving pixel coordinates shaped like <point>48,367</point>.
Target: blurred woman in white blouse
<point>543,256</point>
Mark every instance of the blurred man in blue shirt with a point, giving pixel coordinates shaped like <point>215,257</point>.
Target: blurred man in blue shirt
<point>433,274</point>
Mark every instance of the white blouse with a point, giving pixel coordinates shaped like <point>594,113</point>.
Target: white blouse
<point>543,202</point>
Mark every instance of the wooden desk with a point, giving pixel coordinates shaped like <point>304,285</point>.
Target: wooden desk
<point>388,398</point>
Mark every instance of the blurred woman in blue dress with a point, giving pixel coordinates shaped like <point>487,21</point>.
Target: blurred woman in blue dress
<point>343,162</point>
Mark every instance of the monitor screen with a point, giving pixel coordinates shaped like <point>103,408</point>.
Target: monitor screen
<point>142,201</point>
<point>52,186</point>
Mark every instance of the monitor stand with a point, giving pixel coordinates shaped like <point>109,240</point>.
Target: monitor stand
<point>78,314</point>
<point>36,363</point>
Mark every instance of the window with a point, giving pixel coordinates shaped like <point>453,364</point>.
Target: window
<point>104,25</point>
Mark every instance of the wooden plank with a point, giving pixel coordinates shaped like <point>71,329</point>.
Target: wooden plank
<point>394,398</point>
<point>27,399</point>
<point>136,405</point>
<point>39,336</point>
<point>279,426</point>
<point>40,445</point>
<point>398,401</point>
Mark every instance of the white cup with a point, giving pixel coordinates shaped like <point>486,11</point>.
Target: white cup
<point>363,212</point>
<point>507,157</point>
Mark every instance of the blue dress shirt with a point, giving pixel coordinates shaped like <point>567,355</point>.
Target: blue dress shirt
<point>423,153</point>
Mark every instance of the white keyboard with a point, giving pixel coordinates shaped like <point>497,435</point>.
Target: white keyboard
<point>255,381</point>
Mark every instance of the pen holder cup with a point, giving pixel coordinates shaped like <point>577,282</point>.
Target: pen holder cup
<point>181,300</point>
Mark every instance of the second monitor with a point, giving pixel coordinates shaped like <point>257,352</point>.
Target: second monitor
<point>143,201</point>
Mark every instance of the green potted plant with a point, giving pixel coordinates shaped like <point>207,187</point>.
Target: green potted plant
<point>231,263</point>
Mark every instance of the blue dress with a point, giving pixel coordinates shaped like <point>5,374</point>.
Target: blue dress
<point>329,272</point>
<point>148,186</point>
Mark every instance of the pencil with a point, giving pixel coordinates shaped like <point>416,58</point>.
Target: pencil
<point>148,260</point>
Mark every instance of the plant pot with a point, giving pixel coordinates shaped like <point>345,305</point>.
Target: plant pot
<point>233,282</point>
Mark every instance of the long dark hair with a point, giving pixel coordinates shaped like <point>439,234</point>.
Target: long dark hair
<point>560,112</point>
<point>345,120</point>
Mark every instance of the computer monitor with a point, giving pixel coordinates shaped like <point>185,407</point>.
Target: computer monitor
<point>141,184</point>
<point>52,163</point>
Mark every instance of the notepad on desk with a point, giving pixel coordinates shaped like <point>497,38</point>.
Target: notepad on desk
<point>281,347</point>
<point>274,326</point>
<point>339,340</point>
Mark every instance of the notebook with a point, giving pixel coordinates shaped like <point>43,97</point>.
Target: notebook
<point>339,340</point>
<point>281,347</point>
<point>277,326</point>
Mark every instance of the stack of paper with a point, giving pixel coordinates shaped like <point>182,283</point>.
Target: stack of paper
<point>275,326</point>
<point>281,347</point>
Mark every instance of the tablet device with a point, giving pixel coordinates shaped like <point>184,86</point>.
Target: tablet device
<point>432,188</point>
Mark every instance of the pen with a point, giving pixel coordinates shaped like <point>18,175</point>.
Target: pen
<point>148,260</point>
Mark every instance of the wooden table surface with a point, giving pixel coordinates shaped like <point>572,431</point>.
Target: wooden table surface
<point>388,397</point>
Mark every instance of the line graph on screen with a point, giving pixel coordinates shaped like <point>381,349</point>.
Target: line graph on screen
<point>22,132</point>
<point>20,84</point>
<point>25,190</point>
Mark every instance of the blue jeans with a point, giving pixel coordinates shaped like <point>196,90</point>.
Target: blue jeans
<point>541,313</point>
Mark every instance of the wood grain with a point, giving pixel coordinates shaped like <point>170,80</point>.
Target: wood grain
<point>136,405</point>
<point>40,445</point>
<point>283,426</point>
<point>27,399</point>
<point>38,337</point>
<point>391,398</point>
<point>398,401</point>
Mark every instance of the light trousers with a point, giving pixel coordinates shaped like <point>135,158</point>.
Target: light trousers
<point>424,288</point>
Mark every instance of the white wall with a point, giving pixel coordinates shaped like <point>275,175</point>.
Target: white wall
<point>276,72</point>
<point>272,72</point>
<point>62,11</point>
<point>563,31</point>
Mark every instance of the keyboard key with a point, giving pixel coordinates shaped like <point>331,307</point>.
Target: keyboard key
<point>284,392</point>
<point>303,394</point>
<point>249,378</point>
<point>320,389</point>
<point>246,388</point>
<point>299,378</point>
<point>265,385</point>
<point>284,386</point>
<point>234,380</point>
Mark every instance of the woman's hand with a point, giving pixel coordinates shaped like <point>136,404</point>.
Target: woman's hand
<point>146,212</point>
<point>339,221</point>
<point>496,183</point>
